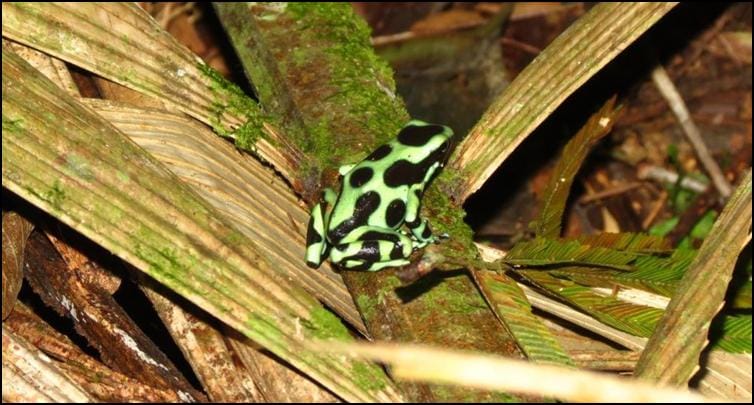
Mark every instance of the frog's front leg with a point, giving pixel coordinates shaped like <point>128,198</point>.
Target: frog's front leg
<point>372,248</point>
<point>419,227</point>
<point>316,239</point>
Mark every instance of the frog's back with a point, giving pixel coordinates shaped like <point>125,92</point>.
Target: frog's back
<point>375,191</point>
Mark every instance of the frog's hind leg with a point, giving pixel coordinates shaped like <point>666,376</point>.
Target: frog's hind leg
<point>372,248</point>
<point>316,239</point>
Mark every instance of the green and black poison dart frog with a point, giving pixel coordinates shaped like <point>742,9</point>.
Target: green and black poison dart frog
<point>360,227</point>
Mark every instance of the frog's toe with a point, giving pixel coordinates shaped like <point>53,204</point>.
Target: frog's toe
<point>314,256</point>
<point>420,244</point>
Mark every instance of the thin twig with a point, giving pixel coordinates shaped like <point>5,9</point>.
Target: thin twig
<point>520,45</point>
<point>663,175</point>
<point>392,38</point>
<point>165,15</point>
<point>620,189</point>
<point>658,205</point>
<point>169,13</point>
<point>678,106</point>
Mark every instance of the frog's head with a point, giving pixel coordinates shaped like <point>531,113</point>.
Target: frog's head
<point>436,139</point>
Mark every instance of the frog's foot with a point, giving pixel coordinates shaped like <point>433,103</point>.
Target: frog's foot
<point>372,248</point>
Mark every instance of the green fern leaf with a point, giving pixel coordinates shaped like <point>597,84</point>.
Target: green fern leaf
<point>659,275</point>
<point>635,319</point>
<point>542,252</point>
<point>574,153</point>
<point>735,336</point>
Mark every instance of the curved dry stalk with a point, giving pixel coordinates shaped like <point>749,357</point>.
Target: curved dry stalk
<point>567,63</point>
<point>442,366</point>
<point>672,353</point>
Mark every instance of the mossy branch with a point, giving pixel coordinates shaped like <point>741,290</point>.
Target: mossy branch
<point>306,60</point>
<point>314,69</point>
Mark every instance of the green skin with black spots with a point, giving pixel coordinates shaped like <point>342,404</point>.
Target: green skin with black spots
<point>360,228</point>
